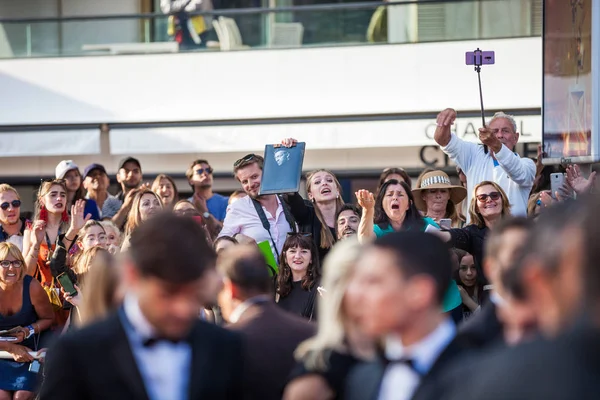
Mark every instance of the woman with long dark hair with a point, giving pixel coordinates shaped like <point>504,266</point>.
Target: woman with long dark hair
<point>393,210</point>
<point>299,275</point>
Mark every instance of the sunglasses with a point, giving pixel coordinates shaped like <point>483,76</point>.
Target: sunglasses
<point>7,263</point>
<point>244,159</point>
<point>200,171</point>
<point>14,204</point>
<point>484,197</point>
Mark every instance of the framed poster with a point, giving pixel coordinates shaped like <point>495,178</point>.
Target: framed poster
<point>570,89</point>
<point>283,169</point>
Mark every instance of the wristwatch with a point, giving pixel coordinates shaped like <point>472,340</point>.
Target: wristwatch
<point>206,215</point>
<point>31,331</point>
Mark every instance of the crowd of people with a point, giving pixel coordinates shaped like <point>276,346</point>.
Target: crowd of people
<point>431,290</point>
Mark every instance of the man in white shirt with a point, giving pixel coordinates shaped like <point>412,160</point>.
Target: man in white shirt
<point>244,216</point>
<point>403,278</point>
<point>498,163</point>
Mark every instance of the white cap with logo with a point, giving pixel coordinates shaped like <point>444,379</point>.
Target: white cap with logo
<point>63,167</point>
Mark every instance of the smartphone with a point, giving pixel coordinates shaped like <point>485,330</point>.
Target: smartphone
<point>556,182</point>
<point>66,283</point>
<point>445,223</point>
<point>479,57</point>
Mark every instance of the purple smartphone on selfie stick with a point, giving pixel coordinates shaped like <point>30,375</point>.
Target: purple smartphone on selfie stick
<point>479,58</point>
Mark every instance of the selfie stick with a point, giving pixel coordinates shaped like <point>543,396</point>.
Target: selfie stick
<point>478,61</point>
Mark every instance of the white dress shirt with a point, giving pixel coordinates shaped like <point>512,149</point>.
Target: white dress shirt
<point>515,175</point>
<point>242,218</point>
<point>164,367</point>
<point>400,380</point>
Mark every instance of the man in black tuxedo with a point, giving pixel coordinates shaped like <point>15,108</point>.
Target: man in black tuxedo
<point>271,334</point>
<point>502,247</point>
<point>404,277</point>
<point>155,346</point>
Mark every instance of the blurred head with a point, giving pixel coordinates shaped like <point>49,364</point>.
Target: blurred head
<point>146,204</point>
<point>130,173</point>
<point>53,196</point>
<point>404,278</point>
<point>245,275</point>
<point>113,233</point>
<point>224,242</point>
<point>489,202</point>
<point>395,202</point>
<point>299,257</point>
<point>505,128</point>
<point>12,264</point>
<point>184,207</point>
<point>10,205</point>
<point>91,235</point>
<point>236,195</point>
<point>164,186</point>
<point>347,221</point>
<point>170,268</point>
<point>200,174</point>
<point>248,172</point>
<point>87,259</point>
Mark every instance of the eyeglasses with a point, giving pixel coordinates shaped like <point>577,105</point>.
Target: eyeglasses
<point>7,263</point>
<point>200,171</point>
<point>14,204</point>
<point>246,158</point>
<point>484,197</point>
<point>303,234</point>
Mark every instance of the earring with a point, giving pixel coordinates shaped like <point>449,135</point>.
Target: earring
<point>43,214</point>
<point>65,216</point>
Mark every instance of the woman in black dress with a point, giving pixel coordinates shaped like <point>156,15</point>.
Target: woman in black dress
<point>299,275</point>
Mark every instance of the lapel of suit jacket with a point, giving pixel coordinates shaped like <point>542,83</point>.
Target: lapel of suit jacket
<point>201,363</point>
<point>368,384</point>
<point>125,363</point>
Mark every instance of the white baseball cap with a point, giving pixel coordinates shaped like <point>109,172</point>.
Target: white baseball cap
<point>63,167</point>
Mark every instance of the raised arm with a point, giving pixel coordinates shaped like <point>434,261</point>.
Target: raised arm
<point>32,240</point>
<point>444,121</point>
<point>298,207</point>
<point>365,228</point>
<point>460,151</point>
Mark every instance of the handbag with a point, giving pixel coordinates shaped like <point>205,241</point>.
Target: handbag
<point>55,300</point>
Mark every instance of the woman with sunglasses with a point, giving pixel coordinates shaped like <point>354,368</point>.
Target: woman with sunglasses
<point>12,226</point>
<point>299,276</point>
<point>488,206</point>
<point>26,310</point>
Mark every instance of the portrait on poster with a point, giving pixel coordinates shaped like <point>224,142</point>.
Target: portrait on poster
<point>283,169</point>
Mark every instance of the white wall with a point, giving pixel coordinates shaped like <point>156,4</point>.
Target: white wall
<point>377,79</point>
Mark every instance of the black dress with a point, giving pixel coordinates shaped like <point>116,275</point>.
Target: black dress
<point>338,367</point>
<point>301,302</point>
<point>471,239</point>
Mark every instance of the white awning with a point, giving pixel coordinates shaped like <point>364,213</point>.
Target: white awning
<point>50,143</point>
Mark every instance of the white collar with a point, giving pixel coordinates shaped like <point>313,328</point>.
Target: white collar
<point>425,352</point>
<point>136,317</point>
<point>497,299</point>
<point>241,309</point>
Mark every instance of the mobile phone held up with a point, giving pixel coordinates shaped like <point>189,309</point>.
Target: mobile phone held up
<point>556,182</point>
<point>479,58</point>
<point>67,284</point>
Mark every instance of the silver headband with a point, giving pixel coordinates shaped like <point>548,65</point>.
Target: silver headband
<point>433,180</point>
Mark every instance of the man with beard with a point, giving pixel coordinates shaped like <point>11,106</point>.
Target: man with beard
<point>12,225</point>
<point>212,206</point>
<point>130,178</point>
<point>347,221</point>
<point>262,218</point>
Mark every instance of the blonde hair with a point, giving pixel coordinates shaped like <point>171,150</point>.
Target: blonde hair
<point>327,238</point>
<point>476,217</point>
<point>99,297</point>
<point>135,218</point>
<point>338,269</point>
<point>87,226</point>
<point>108,224</point>
<point>156,186</point>
<point>83,261</point>
<point>9,249</point>
<point>5,187</point>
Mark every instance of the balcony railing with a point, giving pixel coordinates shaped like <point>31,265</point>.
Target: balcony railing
<point>267,28</point>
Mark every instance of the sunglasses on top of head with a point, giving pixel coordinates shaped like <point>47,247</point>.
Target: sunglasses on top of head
<point>14,204</point>
<point>244,159</point>
<point>484,197</point>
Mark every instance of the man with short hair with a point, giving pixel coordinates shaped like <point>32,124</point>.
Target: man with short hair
<point>496,162</point>
<point>347,221</point>
<point>262,218</point>
<point>12,226</point>
<point>155,346</point>
<point>503,246</point>
<point>211,205</point>
<point>404,277</point>
<point>271,334</point>
<point>96,182</point>
<point>129,176</point>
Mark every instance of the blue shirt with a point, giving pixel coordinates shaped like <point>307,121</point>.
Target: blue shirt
<point>382,232</point>
<point>91,207</point>
<point>217,205</point>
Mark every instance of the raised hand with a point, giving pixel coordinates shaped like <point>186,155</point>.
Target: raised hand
<point>576,180</point>
<point>365,199</point>
<point>446,117</point>
<point>289,142</point>
<point>200,203</point>
<point>38,230</point>
<point>488,137</point>
<point>77,218</point>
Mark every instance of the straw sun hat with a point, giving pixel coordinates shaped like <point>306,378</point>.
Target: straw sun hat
<point>437,180</point>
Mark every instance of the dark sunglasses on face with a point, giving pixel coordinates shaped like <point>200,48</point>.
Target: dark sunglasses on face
<point>7,263</point>
<point>244,159</point>
<point>14,204</point>
<point>200,171</point>
<point>484,197</point>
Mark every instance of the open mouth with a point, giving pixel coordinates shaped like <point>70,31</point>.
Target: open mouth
<point>395,206</point>
<point>348,232</point>
<point>58,205</point>
<point>11,275</point>
<point>326,191</point>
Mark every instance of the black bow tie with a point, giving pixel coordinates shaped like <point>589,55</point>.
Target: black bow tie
<point>406,361</point>
<point>150,342</point>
